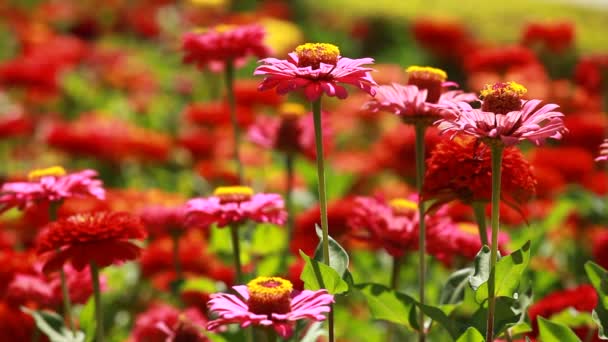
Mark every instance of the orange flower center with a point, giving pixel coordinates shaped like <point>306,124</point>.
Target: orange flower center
<point>268,295</point>
<point>403,207</point>
<point>468,228</point>
<point>55,171</point>
<point>233,194</point>
<point>427,78</point>
<point>313,54</point>
<point>502,97</point>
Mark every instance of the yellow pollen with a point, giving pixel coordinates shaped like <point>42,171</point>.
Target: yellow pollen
<point>233,191</point>
<point>508,88</point>
<point>292,109</point>
<point>313,54</point>
<point>55,171</point>
<point>269,287</point>
<point>403,206</point>
<point>223,28</point>
<point>469,228</point>
<point>427,72</point>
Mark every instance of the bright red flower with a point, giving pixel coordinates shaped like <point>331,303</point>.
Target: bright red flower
<point>590,73</point>
<point>15,325</point>
<point>460,169</point>
<point>499,59</point>
<point>216,113</point>
<point>444,39</point>
<point>15,124</point>
<point>586,130</point>
<point>556,37</point>
<point>577,166</point>
<point>102,238</point>
<point>247,94</point>
<point>162,220</point>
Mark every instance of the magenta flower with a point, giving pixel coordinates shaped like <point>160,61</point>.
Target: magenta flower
<point>394,225</point>
<point>424,98</point>
<point>505,117</point>
<point>235,204</point>
<point>50,185</point>
<point>161,220</point>
<point>270,302</point>
<point>222,44</point>
<point>292,132</point>
<point>603,152</point>
<point>316,68</point>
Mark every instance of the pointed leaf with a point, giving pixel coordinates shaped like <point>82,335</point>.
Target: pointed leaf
<point>338,258</point>
<point>453,290</point>
<point>441,317</point>
<point>471,335</point>
<point>482,268</point>
<point>387,304</point>
<point>555,332</point>
<point>599,277</point>
<point>316,276</point>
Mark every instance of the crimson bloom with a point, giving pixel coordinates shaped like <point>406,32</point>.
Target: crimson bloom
<point>270,302</point>
<point>590,73</point>
<point>50,185</point>
<point>504,116</point>
<point>102,238</point>
<point>224,43</point>
<point>161,322</point>
<point>316,68</point>
<point>556,37</point>
<point>234,204</point>
<point>292,132</point>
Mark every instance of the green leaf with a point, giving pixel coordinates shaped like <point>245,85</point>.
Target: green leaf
<point>555,332</point>
<point>387,304</point>
<point>51,324</point>
<point>442,317</point>
<point>87,319</point>
<point>505,316</point>
<point>482,268</point>
<point>598,277</point>
<point>453,290</point>
<point>338,258</point>
<point>471,335</point>
<point>520,328</point>
<point>509,270</point>
<point>199,284</point>
<point>316,275</point>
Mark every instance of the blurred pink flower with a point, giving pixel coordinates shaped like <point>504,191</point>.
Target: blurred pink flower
<point>224,43</point>
<point>160,220</point>
<point>234,204</point>
<point>317,69</point>
<point>504,116</point>
<point>161,323</point>
<point>50,185</point>
<point>271,302</point>
<point>603,152</point>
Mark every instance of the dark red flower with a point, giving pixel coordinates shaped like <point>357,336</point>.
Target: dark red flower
<point>573,163</point>
<point>15,124</point>
<point>103,238</point>
<point>591,72</point>
<point>499,59</point>
<point>444,39</point>
<point>216,113</point>
<point>15,325</point>
<point>556,37</point>
<point>247,94</point>
<point>586,130</point>
<point>160,323</point>
<point>600,248</point>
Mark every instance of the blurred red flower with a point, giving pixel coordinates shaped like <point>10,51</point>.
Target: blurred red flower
<point>444,39</point>
<point>216,113</point>
<point>591,72</point>
<point>573,163</point>
<point>556,37</point>
<point>499,59</point>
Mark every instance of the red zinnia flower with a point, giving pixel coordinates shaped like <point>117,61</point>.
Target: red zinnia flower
<point>577,166</point>
<point>591,72</point>
<point>102,238</point>
<point>555,37</point>
<point>444,39</point>
<point>586,130</point>
<point>217,113</point>
<point>499,59</point>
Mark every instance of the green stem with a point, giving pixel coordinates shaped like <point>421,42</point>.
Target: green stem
<point>236,252</point>
<point>480,217</point>
<point>97,297</point>
<point>497,151</point>
<point>233,118</point>
<point>316,112</point>
<point>420,130</point>
<point>65,293</point>
<point>271,335</point>
<point>175,236</point>
<point>289,171</point>
<point>394,283</point>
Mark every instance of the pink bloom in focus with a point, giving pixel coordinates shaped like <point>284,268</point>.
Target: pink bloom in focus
<point>234,204</point>
<point>504,116</point>
<point>270,302</point>
<point>394,225</point>
<point>161,322</point>
<point>50,185</point>
<point>292,132</point>
<point>603,152</point>
<point>225,43</point>
<point>316,69</point>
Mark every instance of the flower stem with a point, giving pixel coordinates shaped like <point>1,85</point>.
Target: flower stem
<point>97,296</point>
<point>271,335</point>
<point>236,251</point>
<point>289,171</point>
<point>397,261</point>
<point>175,236</point>
<point>420,130</point>
<point>65,293</point>
<point>480,217</point>
<point>316,112</point>
<point>497,151</point>
<point>233,118</point>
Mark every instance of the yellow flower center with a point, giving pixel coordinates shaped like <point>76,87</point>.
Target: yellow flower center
<point>313,54</point>
<point>402,206</point>
<point>502,97</point>
<point>237,194</point>
<point>268,295</point>
<point>468,228</point>
<point>428,78</point>
<point>55,171</point>
<point>292,109</point>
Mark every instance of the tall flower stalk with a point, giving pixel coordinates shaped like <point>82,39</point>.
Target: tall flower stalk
<point>480,218</point>
<point>420,129</point>
<point>99,330</point>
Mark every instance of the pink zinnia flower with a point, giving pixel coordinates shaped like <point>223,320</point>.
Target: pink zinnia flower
<point>603,152</point>
<point>292,132</point>
<point>224,44</point>
<point>161,220</point>
<point>316,68</point>
<point>270,302</point>
<point>505,117</point>
<point>162,322</point>
<point>423,99</point>
<point>394,225</point>
<point>50,185</point>
<point>234,204</point>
